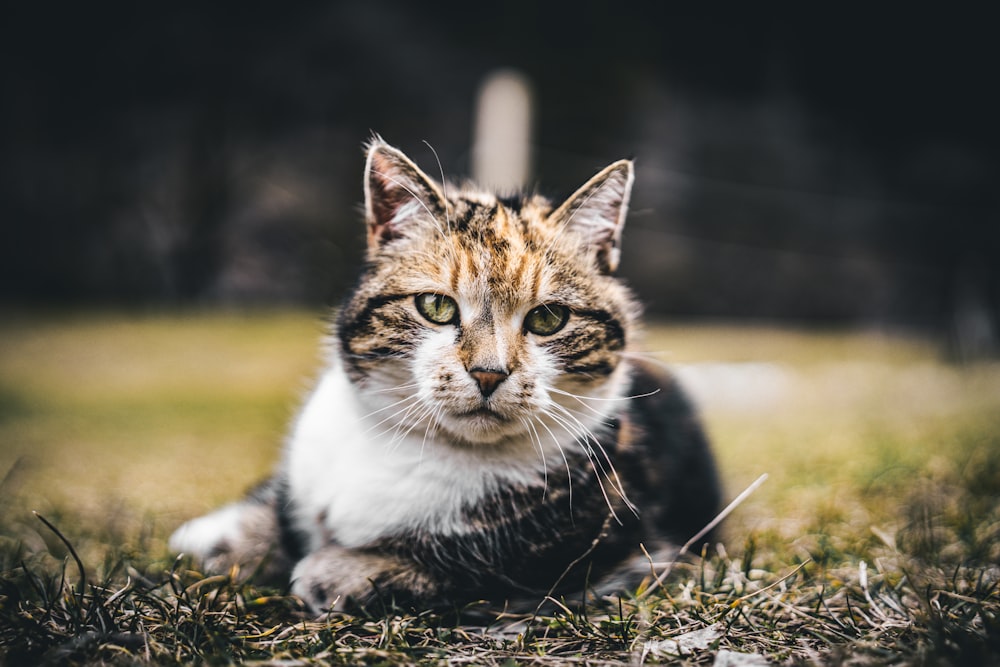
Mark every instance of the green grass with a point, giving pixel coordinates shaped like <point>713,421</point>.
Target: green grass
<point>876,538</point>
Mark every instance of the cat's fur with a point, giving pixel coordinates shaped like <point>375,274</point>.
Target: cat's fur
<point>491,456</point>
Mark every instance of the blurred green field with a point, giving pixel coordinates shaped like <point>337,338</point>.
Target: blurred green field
<point>143,420</point>
<point>170,413</point>
<point>174,413</point>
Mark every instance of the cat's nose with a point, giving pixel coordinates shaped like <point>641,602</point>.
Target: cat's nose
<point>488,379</point>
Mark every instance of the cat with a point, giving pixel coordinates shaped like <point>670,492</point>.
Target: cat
<point>484,429</point>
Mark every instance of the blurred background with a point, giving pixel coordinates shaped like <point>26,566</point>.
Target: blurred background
<point>831,166</point>
<point>814,230</point>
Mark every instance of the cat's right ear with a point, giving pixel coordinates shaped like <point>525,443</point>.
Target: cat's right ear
<point>398,196</point>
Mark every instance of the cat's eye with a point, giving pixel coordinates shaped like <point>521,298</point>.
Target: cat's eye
<point>437,308</point>
<point>547,319</point>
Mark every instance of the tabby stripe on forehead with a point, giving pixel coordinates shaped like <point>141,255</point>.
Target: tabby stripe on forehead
<point>464,216</point>
<point>520,265</point>
<point>512,203</point>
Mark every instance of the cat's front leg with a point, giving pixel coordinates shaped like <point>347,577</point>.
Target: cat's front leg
<point>337,578</point>
<point>244,535</point>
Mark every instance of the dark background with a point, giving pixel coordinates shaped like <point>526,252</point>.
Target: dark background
<point>832,167</point>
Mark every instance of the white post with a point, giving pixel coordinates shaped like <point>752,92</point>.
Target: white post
<point>501,153</point>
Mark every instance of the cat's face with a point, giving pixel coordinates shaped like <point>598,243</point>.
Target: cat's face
<point>483,319</point>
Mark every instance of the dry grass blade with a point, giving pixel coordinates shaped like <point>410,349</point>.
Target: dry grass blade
<point>709,527</point>
<point>82,586</point>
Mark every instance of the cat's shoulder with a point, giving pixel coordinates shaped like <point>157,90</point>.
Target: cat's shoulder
<point>654,382</point>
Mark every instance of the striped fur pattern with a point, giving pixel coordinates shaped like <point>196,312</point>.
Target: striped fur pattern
<point>483,429</point>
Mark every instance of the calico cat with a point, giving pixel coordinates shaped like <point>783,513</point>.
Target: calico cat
<point>482,431</point>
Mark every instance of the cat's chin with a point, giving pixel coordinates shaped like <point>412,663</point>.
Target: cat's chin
<point>480,427</point>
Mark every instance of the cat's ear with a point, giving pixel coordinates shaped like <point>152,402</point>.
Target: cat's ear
<point>597,211</point>
<point>398,196</point>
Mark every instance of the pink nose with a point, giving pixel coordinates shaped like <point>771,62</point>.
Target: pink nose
<point>488,380</point>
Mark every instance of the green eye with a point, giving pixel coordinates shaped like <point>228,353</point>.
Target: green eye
<point>437,308</point>
<point>547,319</point>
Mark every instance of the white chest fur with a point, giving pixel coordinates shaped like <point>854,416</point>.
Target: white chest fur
<point>354,480</point>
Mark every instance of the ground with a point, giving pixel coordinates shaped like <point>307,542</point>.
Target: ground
<point>875,538</point>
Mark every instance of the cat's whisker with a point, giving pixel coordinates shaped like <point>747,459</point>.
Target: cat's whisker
<point>391,405</point>
<point>430,430</point>
<point>586,438</point>
<point>579,416</point>
<point>535,440</point>
<point>582,434</point>
<point>576,417</point>
<point>570,414</point>
<point>592,409</point>
<point>444,184</point>
<point>414,399</point>
<point>589,437</point>
<point>424,206</point>
<point>400,185</point>
<point>594,464</point>
<point>651,357</point>
<point>562,453</point>
<point>399,419</point>
<point>405,421</point>
<point>582,398</point>
<point>398,387</point>
<point>394,427</point>
<point>426,412</point>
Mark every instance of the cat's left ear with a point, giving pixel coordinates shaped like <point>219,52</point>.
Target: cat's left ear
<point>597,211</point>
<point>398,195</point>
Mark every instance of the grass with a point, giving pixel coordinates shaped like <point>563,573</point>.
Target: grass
<point>875,540</point>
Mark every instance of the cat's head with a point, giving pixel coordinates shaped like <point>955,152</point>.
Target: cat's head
<point>483,319</point>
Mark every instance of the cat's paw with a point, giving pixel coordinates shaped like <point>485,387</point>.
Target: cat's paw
<point>209,535</point>
<point>333,578</point>
<point>336,579</point>
<point>243,536</point>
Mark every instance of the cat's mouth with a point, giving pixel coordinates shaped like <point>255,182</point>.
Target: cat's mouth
<point>483,412</point>
<point>480,424</point>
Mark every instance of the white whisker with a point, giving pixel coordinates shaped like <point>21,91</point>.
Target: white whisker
<point>391,405</point>
<point>402,417</point>
<point>411,192</point>
<point>536,440</point>
<point>444,184</point>
<point>582,398</point>
<point>562,453</point>
<point>414,398</point>
<point>398,387</point>
<point>427,411</point>
<point>589,452</point>
<point>426,208</point>
<point>572,424</point>
<point>430,430</point>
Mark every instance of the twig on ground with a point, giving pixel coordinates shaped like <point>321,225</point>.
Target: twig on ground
<point>701,533</point>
